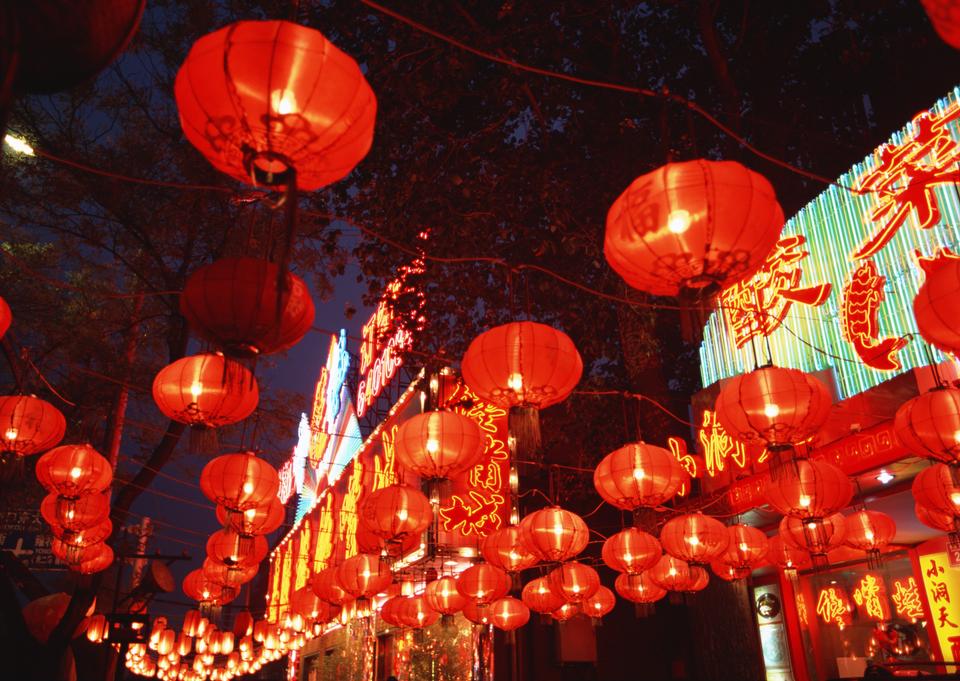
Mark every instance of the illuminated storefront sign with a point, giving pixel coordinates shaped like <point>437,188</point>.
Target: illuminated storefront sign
<point>861,243</point>
<point>718,447</point>
<point>870,595</point>
<point>941,590</point>
<point>678,447</point>
<point>833,606</point>
<point>327,399</point>
<point>906,598</point>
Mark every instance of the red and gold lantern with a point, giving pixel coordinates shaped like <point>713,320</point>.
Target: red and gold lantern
<point>483,583</point>
<point>746,549</point>
<point>508,614</point>
<point>809,489</point>
<point>694,538</point>
<point>233,549</point>
<point>73,471</point>
<point>574,581</point>
<point>554,534</point>
<point>631,551</point>
<point>539,597</point>
<point>929,425</point>
<point>206,391</point>
<point>261,519</point>
<point>396,512</point>
<point>439,444</point>
<point>869,531</point>
<point>639,588</point>
<point>504,549</point>
<point>638,475</point>
<point>364,575</point>
<point>327,587</point>
<point>599,604</point>
<point>28,425</point>
<point>75,515</point>
<point>819,538</point>
<point>442,595</point>
<point>935,306</point>
<point>240,481</point>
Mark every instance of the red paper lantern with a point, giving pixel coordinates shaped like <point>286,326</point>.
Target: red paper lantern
<point>729,572</point>
<point>239,481</point>
<point>73,556</point>
<point>574,581</point>
<point>414,612</point>
<point>77,540</point>
<point>389,611</point>
<point>773,406</point>
<point>504,549</point>
<point>933,519</point>
<point>230,576</point>
<point>73,471</point>
<point>6,318</point>
<point>439,444</point>
<point>746,549</point>
<point>522,364</point>
<point>639,588</point>
<point>935,306</point>
<point>199,588</point>
<point>786,555</point>
<point>937,489</point>
<point>929,425</point>
<point>554,534</point>
<point>363,575</point>
<point>694,538</point>
<point>869,531</point>
<point>599,604</point>
<point>96,563</point>
<point>809,489</point>
<point>483,583</point>
<point>442,595</point>
<point>234,303</point>
<point>263,100</point>
<point>565,612</point>
<point>326,586</point>
<point>261,519</point>
<point>691,226</point>
<point>701,578</point>
<point>75,514</point>
<point>631,551</point>
<point>476,612</point>
<point>508,614</point>
<point>28,425</point>
<point>231,548</point>
<point>638,475</point>
<point>673,574</point>
<point>206,391</point>
<point>817,538</point>
<point>538,596</point>
<point>396,513</point>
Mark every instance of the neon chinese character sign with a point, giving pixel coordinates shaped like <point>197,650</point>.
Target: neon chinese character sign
<point>906,598</point>
<point>833,607</point>
<point>871,597</point>
<point>756,308</point>
<point>718,446</point>
<point>678,448</point>
<point>859,319</point>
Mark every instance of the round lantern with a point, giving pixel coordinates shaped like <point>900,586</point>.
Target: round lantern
<point>396,512</point>
<point>6,317</point>
<point>747,547</point>
<point>869,531</point>
<point>691,226</point>
<point>935,305</point>
<point>442,595</point>
<point>673,574</point>
<point>29,425</point>
<point>694,538</point>
<point>364,575</point>
<point>76,541</point>
<point>306,604</point>
<point>261,519</point>
<point>73,556</point>
<point>239,481</point>
<point>784,554</point>
<point>327,587</point>
<point>638,475</point>
<point>729,572</point>
<point>504,549</point>
<point>819,538</point>
<point>230,576</point>
<point>483,583</point>
<point>233,549</point>
<point>439,444</point>
<point>75,515</point>
<point>929,425</point>
<point>258,320</point>
<point>199,588</point>
<point>368,542</point>
<point>937,489</point>
<point>809,489</point>
<point>773,407</point>
<point>639,588</point>
<point>508,614</point>
<point>389,611</point>
<point>206,391</point>
<point>73,471</point>
<point>565,612</point>
<point>599,604</point>
<point>942,522</point>
<point>414,612</point>
<point>574,581</point>
<point>476,612</point>
<point>554,534</point>
<point>275,103</point>
<point>631,551</point>
<point>98,562</point>
<point>539,597</point>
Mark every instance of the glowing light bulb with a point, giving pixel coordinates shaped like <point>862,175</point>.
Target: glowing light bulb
<point>196,390</point>
<point>11,434</point>
<point>365,574</point>
<point>869,535</point>
<point>283,102</point>
<point>811,526</point>
<point>76,472</point>
<point>558,528</point>
<point>678,221</point>
<point>628,557</point>
<point>576,588</point>
<point>19,145</point>
<point>673,572</point>
<point>515,382</point>
<point>771,411</point>
<point>693,540</point>
<point>744,546</point>
<point>955,498</point>
<point>514,556</point>
<point>402,514</point>
<point>250,513</point>
<point>804,501</point>
<point>639,474</point>
<point>433,446</point>
<point>70,514</point>
<point>247,487</point>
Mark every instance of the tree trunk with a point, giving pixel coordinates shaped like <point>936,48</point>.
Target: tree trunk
<point>725,635</point>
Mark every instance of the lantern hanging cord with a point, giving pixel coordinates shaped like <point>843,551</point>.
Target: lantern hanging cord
<point>630,89</point>
<point>636,396</point>
<point>39,373</point>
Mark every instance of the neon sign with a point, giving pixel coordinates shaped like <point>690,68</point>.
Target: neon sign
<point>862,297</point>
<point>678,448</point>
<point>906,598</point>
<point>756,308</point>
<point>326,398</point>
<point>718,446</point>
<point>871,597</point>
<point>833,606</point>
<point>285,491</point>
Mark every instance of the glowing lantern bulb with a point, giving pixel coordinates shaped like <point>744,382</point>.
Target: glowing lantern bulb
<point>247,487</point>
<point>771,411</point>
<point>75,472</point>
<point>432,446</point>
<point>283,102</point>
<point>515,382</point>
<point>678,221</point>
<point>11,434</point>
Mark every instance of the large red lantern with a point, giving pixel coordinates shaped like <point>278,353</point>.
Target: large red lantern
<point>234,303</point>
<point>504,549</point>
<point>786,555</point>
<point>869,531</point>
<point>442,596</point>
<point>599,604</point>
<point>275,103</point>
<point>639,588</point>
<point>389,611</point>
<point>439,444</point>
<point>326,586</point>
<point>206,391</point>
<point>638,475</point>
<point>197,587</point>
<point>673,574</point>
<point>73,471</point>
<point>631,551</point>
<point>773,406</point>
<point>261,519</point>
<point>483,583</point>
<point>396,512</point>
<point>364,575</point>
<point>554,534</point>
<point>240,481</point>
<point>524,367</point>
<point>819,538</point>
<point>809,489</point>
<point>72,555</point>
<point>566,612</point>
<point>476,612</point>
<point>231,548</point>
<point>96,563</point>
<point>228,576</point>
<point>414,612</point>
<point>75,544</point>
<point>508,613</point>
<point>6,317</point>
<point>690,226</point>
<point>937,489</point>
<point>728,571</point>
<point>539,597</point>
<point>75,515</point>
<point>935,306</point>
<point>746,549</point>
<point>929,425</point>
<point>29,425</point>
<point>574,581</point>
<point>694,538</point>
<point>306,604</point>
<point>943,522</point>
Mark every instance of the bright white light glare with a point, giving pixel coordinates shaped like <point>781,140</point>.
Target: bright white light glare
<point>884,477</point>
<point>19,145</point>
<point>196,390</point>
<point>678,221</point>
<point>247,487</point>
<point>515,382</point>
<point>433,446</point>
<point>771,411</point>
<point>283,102</point>
<point>11,434</point>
